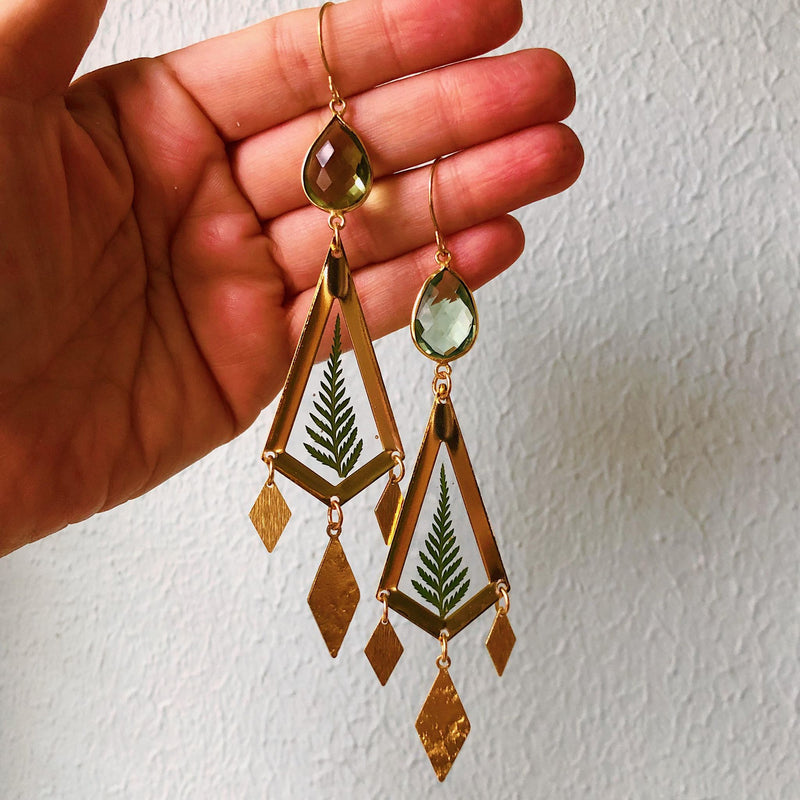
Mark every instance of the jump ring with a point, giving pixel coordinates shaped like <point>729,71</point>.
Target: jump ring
<point>399,463</point>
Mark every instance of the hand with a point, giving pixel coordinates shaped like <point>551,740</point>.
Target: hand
<point>158,256</point>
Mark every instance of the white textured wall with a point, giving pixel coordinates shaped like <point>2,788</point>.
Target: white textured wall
<point>642,467</point>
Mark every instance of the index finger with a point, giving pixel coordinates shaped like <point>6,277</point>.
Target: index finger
<point>272,72</point>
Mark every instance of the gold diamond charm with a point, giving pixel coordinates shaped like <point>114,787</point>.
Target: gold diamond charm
<point>334,596</point>
<point>442,724</point>
<point>269,515</point>
<point>383,650</point>
<point>388,509</point>
<point>500,641</point>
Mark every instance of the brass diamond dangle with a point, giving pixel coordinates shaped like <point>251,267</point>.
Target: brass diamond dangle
<point>388,507</point>
<point>442,723</point>
<point>269,513</point>
<point>501,639</point>
<point>334,596</point>
<point>383,650</point>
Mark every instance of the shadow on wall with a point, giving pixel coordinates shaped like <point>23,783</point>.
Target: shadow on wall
<point>663,428</point>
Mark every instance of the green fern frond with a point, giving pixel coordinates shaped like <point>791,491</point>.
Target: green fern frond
<point>336,432</point>
<point>443,585</point>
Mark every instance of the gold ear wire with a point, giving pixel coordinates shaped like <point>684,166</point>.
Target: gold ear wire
<point>337,103</point>
<point>442,253</point>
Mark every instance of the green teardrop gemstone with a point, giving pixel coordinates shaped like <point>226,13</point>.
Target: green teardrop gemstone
<point>337,175</point>
<point>445,324</point>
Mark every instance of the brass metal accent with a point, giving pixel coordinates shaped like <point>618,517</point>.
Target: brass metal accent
<point>442,724</point>
<point>335,517</point>
<point>336,222</point>
<point>442,429</point>
<point>387,510</point>
<point>503,604</point>
<point>500,641</point>
<point>335,283</point>
<point>383,649</point>
<point>270,514</point>
<point>444,660</point>
<point>334,596</point>
<point>442,382</point>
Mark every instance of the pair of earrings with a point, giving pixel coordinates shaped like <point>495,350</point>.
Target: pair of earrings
<point>337,178</point>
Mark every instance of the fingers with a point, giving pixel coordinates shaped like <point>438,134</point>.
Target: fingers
<point>387,291</point>
<point>409,122</point>
<point>43,42</point>
<point>472,187</point>
<point>249,81</point>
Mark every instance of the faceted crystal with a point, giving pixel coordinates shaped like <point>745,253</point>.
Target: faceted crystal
<point>445,325</point>
<point>337,175</point>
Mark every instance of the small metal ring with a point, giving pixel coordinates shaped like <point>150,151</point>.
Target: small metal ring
<point>335,518</point>
<point>335,513</point>
<point>443,257</point>
<point>503,604</point>
<point>269,459</point>
<point>441,382</point>
<point>336,221</point>
<point>400,464</point>
<point>383,596</point>
<point>443,661</point>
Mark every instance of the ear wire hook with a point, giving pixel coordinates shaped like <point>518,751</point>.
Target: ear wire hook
<point>442,253</point>
<point>337,103</point>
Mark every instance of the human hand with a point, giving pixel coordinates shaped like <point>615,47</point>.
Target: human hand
<point>158,256</point>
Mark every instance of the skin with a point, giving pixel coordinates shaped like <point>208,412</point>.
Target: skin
<point>158,256</point>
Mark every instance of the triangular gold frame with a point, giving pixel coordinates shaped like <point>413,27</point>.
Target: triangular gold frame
<point>443,429</point>
<point>335,283</point>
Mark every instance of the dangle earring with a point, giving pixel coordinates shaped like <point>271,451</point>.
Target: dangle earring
<point>444,327</point>
<point>337,178</point>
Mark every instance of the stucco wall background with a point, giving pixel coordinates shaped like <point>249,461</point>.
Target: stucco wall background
<point>631,411</point>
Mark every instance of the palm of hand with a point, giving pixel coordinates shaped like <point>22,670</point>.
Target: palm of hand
<point>133,358</point>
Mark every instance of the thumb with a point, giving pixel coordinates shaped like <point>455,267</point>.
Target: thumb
<point>42,43</point>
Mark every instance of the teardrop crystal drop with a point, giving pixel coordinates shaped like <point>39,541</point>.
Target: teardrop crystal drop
<point>445,323</point>
<point>337,175</point>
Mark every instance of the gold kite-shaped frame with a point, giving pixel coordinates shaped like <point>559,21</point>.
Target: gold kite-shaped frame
<point>443,429</point>
<point>335,283</point>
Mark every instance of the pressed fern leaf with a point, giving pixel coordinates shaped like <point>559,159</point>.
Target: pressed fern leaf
<point>336,432</point>
<point>444,583</point>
